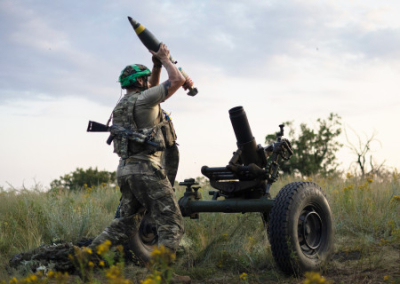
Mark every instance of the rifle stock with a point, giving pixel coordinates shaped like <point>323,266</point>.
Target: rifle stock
<point>94,126</point>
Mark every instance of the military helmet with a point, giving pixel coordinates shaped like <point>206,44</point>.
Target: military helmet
<point>130,74</point>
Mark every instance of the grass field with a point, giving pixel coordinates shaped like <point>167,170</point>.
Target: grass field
<point>219,247</point>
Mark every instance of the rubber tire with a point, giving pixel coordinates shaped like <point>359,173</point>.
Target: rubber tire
<point>143,241</point>
<point>136,246</point>
<point>292,202</point>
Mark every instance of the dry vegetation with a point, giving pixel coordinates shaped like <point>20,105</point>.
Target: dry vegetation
<point>217,248</point>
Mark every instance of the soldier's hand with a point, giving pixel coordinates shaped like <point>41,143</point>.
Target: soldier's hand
<point>156,61</point>
<point>162,54</point>
<point>188,83</point>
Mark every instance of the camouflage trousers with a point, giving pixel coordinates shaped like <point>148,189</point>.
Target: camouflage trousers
<point>145,187</point>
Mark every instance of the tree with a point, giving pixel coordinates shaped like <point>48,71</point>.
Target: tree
<point>363,148</point>
<point>81,178</point>
<point>314,150</point>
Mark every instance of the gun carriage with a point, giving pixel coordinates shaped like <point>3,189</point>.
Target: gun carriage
<point>298,220</point>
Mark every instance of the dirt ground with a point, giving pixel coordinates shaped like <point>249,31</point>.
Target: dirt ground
<point>378,265</point>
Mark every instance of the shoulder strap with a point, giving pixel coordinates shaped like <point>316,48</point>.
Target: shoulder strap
<point>131,108</point>
<point>160,115</point>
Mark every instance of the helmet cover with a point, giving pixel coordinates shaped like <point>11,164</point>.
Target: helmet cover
<point>130,74</point>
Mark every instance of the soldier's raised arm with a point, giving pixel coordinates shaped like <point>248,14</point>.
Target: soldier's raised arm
<point>175,78</point>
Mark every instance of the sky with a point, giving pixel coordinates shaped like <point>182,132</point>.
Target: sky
<point>281,60</point>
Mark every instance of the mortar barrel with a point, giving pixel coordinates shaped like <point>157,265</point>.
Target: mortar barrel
<point>244,136</point>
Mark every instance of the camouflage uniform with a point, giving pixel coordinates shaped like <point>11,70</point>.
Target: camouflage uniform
<point>170,162</point>
<point>141,178</point>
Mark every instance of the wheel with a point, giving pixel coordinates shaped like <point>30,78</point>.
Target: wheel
<point>143,241</point>
<point>300,228</point>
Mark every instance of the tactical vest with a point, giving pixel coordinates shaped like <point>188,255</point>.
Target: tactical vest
<point>162,133</point>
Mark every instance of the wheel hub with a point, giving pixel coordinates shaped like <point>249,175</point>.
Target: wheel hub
<point>148,233</point>
<point>310,231</point>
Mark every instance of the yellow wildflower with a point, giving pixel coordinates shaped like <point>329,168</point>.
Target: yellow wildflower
<point>348,188</point>
<point>88,250</point>
<point>147,281</point>
<point>104,247</point>
<point>349,175</point>
<point>155,252</point>
<point>90,264</point>
<point>385,278</point>
<point>364,186</point>
<point>110,275</point>
<point>100,249</point>
<point>113,272</point>
<point>164,250</point>
<point>50,274</point>
<point>120,248</point>
<point>395,198</point>
<point>243,276</point>
<point>31,278</point>
<point>314,278</point>
<point>101,263</point>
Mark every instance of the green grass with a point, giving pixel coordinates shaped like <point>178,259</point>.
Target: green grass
<point>29,218</point>
<point>365,212</point>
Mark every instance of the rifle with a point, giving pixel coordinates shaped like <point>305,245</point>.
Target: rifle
<point>121,131</point>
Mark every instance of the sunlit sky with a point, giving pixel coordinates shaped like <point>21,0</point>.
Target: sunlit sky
<point>281,60</point>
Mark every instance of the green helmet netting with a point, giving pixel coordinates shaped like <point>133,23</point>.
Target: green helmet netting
<point>130,74</point>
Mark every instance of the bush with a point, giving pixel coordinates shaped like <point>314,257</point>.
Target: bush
<point>81,178</point>
<point>314,150</point>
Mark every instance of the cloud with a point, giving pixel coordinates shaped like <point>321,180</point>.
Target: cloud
<point>56,49</point>
<point>282,60</point>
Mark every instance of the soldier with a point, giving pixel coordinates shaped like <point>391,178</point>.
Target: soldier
<point>141,178</point>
